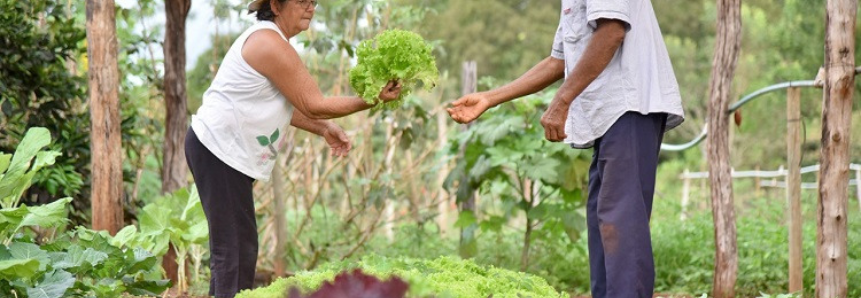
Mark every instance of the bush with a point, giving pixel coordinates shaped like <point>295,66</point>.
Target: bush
<point>684,250</point>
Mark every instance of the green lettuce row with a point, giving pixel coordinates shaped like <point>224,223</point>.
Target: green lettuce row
<point>443,277</point>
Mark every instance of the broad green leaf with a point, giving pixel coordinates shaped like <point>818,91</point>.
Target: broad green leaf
<point>198,233</point>
<point>17,178</point>
<point>101,242</point>
<point>111,267</point>
<point>50,215</point>
<point>53,285</point>
<point>34,140</point>
<point>500,156</point>
<point>109,287</point>
<point>10,219</point>
<point>21,251</point>
<point>147,287</point>
<point>158,244</point>
<point>543,169</point>
<point>4,163</point>
<point>193,210</point>
<point>13,269</point>
<point>154,220</point>
<point>490,134</point>
<point>79,259</point>
<point>139,259</point>
<point>4,253</point>
<point>124,236</point>
<point>44,158</point>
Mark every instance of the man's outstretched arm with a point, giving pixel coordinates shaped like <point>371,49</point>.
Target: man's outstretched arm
<point>543,74</point>
<point>546,72</point>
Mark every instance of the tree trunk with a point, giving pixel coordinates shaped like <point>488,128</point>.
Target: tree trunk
<point>727,47</point>
<point>831,228</point>
<point>176,123</point>
<point>107,158</point>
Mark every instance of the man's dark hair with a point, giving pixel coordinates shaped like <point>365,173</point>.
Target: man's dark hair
<point>265,12</point>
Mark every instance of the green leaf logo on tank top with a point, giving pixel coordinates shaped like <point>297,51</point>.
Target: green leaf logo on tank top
<point>269,142</point>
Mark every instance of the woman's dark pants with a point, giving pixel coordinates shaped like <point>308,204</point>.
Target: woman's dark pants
<point>227,199</point>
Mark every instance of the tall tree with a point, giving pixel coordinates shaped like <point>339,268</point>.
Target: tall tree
<point>831,231</point>
<point>727,45</point>
<point>176,122</point>
<point>107,153</point>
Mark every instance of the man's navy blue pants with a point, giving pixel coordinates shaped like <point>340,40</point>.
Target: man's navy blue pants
<point>621,188</point>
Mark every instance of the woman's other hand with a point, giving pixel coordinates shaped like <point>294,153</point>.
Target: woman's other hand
<point>337,140</point>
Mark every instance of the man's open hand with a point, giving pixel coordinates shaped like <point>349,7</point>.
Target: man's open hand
<point>468,108</point>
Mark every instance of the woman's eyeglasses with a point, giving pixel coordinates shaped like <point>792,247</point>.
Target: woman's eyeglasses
<point>306,4</point>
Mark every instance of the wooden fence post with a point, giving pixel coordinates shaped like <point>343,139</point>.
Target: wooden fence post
<point>793,187</point>
<point>468,246</point>
<point>858,185</point>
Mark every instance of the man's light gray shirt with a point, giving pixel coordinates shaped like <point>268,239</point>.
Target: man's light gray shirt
<point>639,78</point>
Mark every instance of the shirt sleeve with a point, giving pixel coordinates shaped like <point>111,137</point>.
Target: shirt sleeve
<point>608,9</point>
<point>557,51</point>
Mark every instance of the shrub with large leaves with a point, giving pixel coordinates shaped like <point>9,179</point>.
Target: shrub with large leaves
<point>506,157</point>
<point>18,171</point>
<point>176,219</point>
<point>80,263</point>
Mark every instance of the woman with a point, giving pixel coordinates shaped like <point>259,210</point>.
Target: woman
<point>261,86</point>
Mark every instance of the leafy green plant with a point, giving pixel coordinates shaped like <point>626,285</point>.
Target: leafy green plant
<point>41,45</point>
<point>18,171</point>
<point>442,277</point>
<point>176,219</point>
<point>397,55</point>
<point>82,262</point>
<point>505,156</point>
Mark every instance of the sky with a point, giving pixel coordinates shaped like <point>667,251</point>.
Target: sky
<point>200,26</point>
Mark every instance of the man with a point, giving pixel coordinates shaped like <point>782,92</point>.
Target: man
<point>619,96</point>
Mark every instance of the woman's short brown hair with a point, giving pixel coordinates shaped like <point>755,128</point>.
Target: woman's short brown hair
<point>265,13</point>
